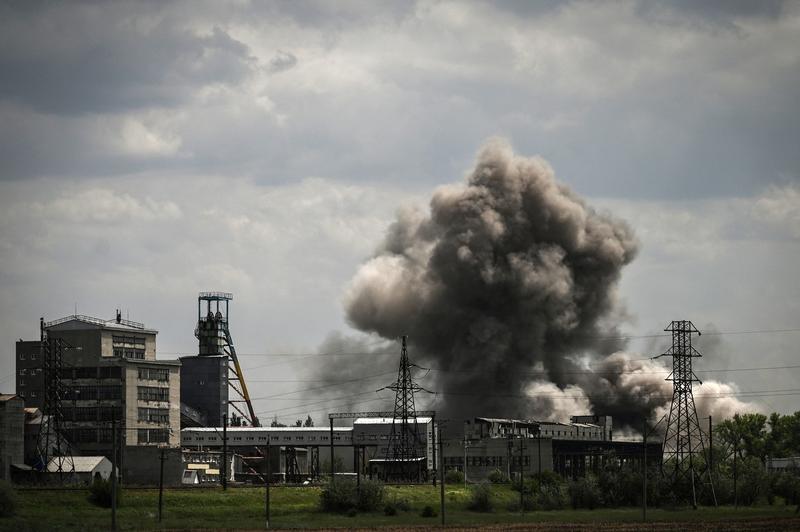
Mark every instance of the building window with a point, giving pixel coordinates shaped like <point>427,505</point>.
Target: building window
<point>34,356</point>
<point>23,371</point>
<point>22,356</point>
<point>152,393</point>
<point>154,374</point>
<point>22,382</point>
<point>154,415</point>
<point>128,346</point>
<point>153,436</point>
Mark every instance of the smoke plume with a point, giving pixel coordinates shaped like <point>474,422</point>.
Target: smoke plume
<point>507,291</point>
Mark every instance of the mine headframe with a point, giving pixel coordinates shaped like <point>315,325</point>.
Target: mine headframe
<point>214,337</point>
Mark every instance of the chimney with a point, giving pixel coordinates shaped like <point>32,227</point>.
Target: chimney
<point>119,316</point>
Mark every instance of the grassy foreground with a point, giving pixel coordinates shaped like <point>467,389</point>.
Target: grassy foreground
<point>294,507</point>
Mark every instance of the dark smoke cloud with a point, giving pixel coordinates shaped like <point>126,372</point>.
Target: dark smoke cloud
<point>509,271</point>
<point>507,290</point>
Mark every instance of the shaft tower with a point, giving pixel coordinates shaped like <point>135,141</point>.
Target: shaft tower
<point>214,337</point>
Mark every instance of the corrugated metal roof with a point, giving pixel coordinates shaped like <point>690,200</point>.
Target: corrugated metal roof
<point>83,464</point>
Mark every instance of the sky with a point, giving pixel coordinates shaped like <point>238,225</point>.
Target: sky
<point>152,150</point>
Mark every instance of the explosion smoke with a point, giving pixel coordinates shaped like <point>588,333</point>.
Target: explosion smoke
<point>507,289</point>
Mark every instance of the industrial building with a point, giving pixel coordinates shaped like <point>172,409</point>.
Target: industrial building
<point>108,372</point>
<point>12,442</point>
<point>511,446</point>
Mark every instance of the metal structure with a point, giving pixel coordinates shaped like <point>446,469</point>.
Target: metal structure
<point>683,440</point>
<point>402,454</point>
<point>51,443</point>
<point>214,336</point>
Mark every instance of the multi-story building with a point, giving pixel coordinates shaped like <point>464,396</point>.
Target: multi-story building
<point>12,423</point>
<point>109,372</point>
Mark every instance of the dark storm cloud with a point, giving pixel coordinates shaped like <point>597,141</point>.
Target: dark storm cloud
<point>100,58</point>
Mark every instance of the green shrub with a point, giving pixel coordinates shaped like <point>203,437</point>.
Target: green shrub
<point>454,476</point>
<point>100,493</point>
<point>8,500</point>
<point>585,493</point>
<point>428,511</point>
<point>497,477</point>
<point>345,495</point>
<point>480,499</point>
<point>787,486</point>
<point>352,512</point>
<point>389,510</point>
<point>402,505</point>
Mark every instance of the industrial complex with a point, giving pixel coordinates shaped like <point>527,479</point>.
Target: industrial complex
<point>91,392</point>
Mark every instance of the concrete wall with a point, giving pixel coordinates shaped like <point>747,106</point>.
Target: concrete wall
<point>12,434</point>
<point>142,466</point>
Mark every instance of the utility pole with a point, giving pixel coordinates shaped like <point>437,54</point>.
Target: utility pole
<point>224,451</point>
<point>114,472</point>
<point>644,471</point>
<point>161,487</point>
<point>441,478</point>
<point>333,468</point>
<point>465,456</point>
<point>710,447</point>
<point>735,452</point>
<point>266,485</point>
<point>521,480</point>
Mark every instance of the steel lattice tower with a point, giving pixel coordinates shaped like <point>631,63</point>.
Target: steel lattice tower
<point>51,442</point>
<point>683,439</point>
<point>403,449</point>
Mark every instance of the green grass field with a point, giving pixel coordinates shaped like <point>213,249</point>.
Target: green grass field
<point>293,507</point>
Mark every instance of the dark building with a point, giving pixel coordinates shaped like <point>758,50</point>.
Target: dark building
<point>12,431</point>
<point>204,386</point>
<point>30,381</point>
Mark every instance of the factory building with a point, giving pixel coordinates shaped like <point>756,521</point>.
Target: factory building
<point>298,453</point>
<point>12,440</point>
<point>512,446</point>
<point>109,371</point>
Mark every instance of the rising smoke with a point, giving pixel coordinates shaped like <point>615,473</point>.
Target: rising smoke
<point>507,291</point>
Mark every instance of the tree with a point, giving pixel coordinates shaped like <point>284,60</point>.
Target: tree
<point>747,433</point>
<point>298,423</point>
<point>275,422</point>
<point>309,422</point>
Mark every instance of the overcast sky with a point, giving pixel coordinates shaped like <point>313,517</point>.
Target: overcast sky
<point>152,150</point>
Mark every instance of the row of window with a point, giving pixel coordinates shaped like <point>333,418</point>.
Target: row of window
<point>154,415</point>
<point>153,435</point>
<point>32,371</point>
<point>136,354</point>
<point>153,374</point>
<point>93,393</point>
<point>152,393</point>
<point>34,356</point>
<point>484,461</point>
<point>89,435</point>
<point>119,340</point>
<point>92,413</point>
<point>272,438</point>
<point>91,372</point>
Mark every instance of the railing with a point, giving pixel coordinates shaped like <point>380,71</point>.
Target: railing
<point>95,321</point>
<point>216,296</point>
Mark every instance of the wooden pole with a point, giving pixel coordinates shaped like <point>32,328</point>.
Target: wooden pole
<point>267,471</point>
<point>114,473</point>
<point>333,468</point>
<point>224,451</point>
<point>441,478</point>
<point>161,487</point>
<point>644,471</point>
